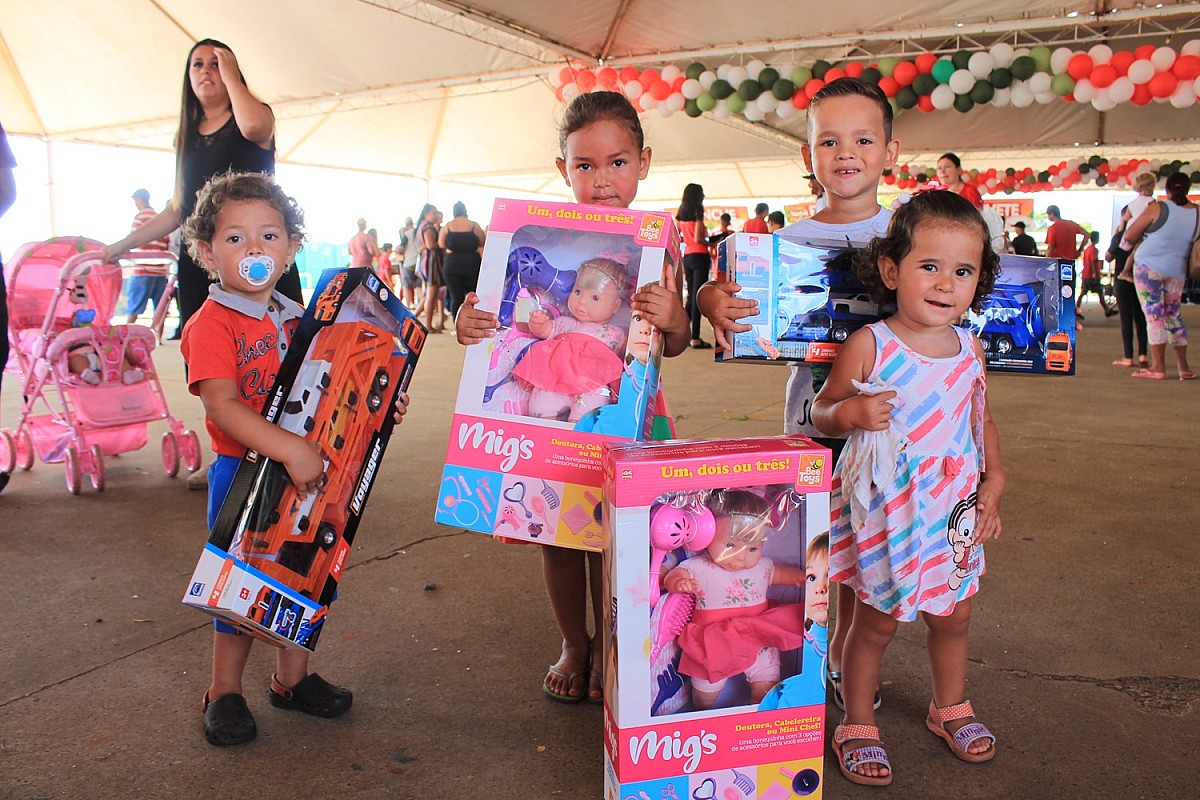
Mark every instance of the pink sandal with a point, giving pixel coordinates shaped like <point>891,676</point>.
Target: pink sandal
<point>1149,374</point>
<point>965,736</point>
<point>868,754</point>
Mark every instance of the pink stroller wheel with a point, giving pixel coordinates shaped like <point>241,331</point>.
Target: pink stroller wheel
<point>8,451</point>
<point>96,473</point>
<point>24,450</point>
<point>190,445</point>
<point>73,469</point>
<point>170,454</point>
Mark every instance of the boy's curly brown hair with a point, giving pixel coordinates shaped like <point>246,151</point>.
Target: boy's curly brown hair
<point>230,187</point>
<point>931,206</point>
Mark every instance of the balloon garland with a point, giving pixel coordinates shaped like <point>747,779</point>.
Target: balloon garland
<point>1096,170</point>
<point>1000,76</point>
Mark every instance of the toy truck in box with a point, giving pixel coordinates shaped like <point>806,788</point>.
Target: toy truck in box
<point>338,394</point>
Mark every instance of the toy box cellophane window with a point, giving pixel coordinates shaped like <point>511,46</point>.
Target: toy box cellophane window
<point>738,601</point>
<point>568,344</point>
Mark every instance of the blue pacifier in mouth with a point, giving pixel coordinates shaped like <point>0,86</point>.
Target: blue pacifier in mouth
<point>256,270</point>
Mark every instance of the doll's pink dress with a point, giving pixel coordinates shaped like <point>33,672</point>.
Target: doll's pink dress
<point>573,367</point>
<point>733,620</point>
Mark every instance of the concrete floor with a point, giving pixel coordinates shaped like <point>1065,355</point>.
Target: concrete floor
<point>1091,682</point>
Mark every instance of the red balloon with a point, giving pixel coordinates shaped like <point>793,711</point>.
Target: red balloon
<point>648,77</point>
<point>1102,168</point>
<point>1186,68</point>
<point>890,178</point>
<point>1145,51</point>
<point>813,86</point>
<point>1121,61</point>
<point>1052,169</point>
<point>566,75</point>
<point>1080,66</point>
<point>833,73</point>
<point>660,90</point>
<point>800,99</point>
<point>889,86</point>
<point>905,73</point>
<point>925,102</point>
<point>677,84</point>
<point>991,173</point>
<point>1103,75</point>
<point>628,74</point>
<point>855,69</point>
<point>607,78</point>
<point>1163,84</point>
<point>1141,94</point>
<point>925,62</point>
<point>585,79</point>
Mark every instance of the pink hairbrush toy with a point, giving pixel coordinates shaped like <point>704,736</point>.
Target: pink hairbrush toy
<point>676,613</point>
<point>673,526</point>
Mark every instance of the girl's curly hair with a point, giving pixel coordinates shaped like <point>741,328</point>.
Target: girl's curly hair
<point>931,206</point>
<point>230,187</point>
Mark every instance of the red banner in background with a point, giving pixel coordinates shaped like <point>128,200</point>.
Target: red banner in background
<point>1012,207</point>
<point>799,211</point>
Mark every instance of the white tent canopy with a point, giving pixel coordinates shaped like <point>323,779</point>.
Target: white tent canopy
<point>451,92</point>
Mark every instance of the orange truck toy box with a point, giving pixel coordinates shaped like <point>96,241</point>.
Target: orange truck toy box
<point>273,560</point>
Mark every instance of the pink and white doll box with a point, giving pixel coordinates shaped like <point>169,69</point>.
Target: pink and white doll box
<point>570,368</point>
<point>716,566</point>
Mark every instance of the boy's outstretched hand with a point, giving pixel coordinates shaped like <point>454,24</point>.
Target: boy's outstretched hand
<point>472,326</point>
<point>723,310</point>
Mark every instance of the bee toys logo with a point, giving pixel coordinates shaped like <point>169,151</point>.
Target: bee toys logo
<point>651,228</point>
<point>812,468</point>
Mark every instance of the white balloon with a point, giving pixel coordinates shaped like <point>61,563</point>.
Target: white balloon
<point>1040,82</point>
<point>1002,54</point>
<point>633,90</point>
<point>1060,58</point>
<point>1100,53</point>
<point>767,102</point>
<point>1163,58</point>
<point>1191,48</point>
<point>961,81</point>
<point>1020,51</point>
<point>1196,85</point>
<point>753,68</point>
<point>1103,102</point>
<point>942,97</point>
<point>1141,71</point>
<point>648,101</point>
<point>555,76</point>
<point>721,111</point>
<point>707,79</point>
<point>981,64</point>
<point>1056,180</point>
<point>1121,90</point>
<point>1184,96</point>
<point>1084,91</point>
<point>691,89</point>
<point>785,110</point>
<point>570,92</point>
<point>670,72</point>
<point>1045,98</point>
<point>676,102</point>
<point>1022,95</point>
<point>737,75</point>
<point>723,71</point>
<point>1002,98</point>
<point>753,113</point>
<point>664,110</point>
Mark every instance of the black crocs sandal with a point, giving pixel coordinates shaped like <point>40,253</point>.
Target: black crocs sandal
<point>227,720</point>
<point>314,695</point>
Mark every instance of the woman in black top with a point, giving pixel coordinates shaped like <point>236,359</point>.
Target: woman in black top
<point>462,241</point>
<point>222,127</point>
<point>1133,319</point>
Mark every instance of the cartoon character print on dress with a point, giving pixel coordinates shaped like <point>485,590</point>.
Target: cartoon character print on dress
<point>961,535</point>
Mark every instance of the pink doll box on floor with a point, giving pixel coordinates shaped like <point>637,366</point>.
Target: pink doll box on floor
<point>569,369</point>
<point>716,563</point>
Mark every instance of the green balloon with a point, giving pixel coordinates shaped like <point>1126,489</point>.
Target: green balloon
<point>694,70</point>
<point>906,97</point>
<point>887,66</point>
<point>942,70</point>
<point>903,175</point>
<point>895,106</point>
<point>922,177</point>
<point>1085,168</point>
<point>1095,161</point>
<point>982,92</point>
<point>1031,179</point>
<point>1023,68</point>
<point>721,88</point>
<point>961,59</point>
<point>1009,190</point>
<point>963,103</point>
<point>783,89</point>
<point>1101,180</point>
<point>735,104</point>
<point>1043,176</point>
<point>1062,84</point>
<point>749,89</point>
<point>768,76</point>
<point>820,68</point>
<point>924,84</point>
<point>1009,172</point>
<point>692,108</point>
<point>1195,177</point>
<point>801,75</point>
<point>871,75</point>
<point>706,101</point>
<point>1041,57</point>
<point>1001,78</point>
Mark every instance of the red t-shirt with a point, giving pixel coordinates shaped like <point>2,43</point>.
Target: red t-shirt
<point>687,229</point>
<point>970,193</point>
<point>1091,263</point>
<point>385,265</point>
<point>223,341</point>
<point>1062,239</point>
<point>755,225</point>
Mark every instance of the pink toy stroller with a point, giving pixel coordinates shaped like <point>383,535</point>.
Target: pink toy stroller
<point>96,382</point>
